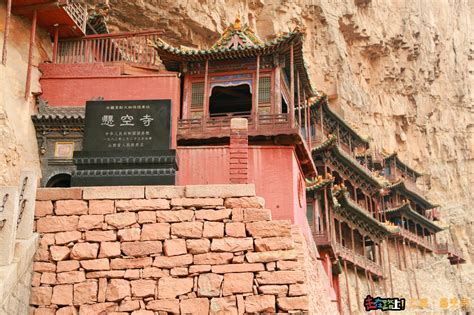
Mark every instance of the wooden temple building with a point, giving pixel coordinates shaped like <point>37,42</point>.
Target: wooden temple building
<point>362,208</point>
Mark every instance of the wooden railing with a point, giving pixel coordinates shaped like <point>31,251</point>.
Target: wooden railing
<point>450,249</point>
<point>321,238</point>
<point>133,48</point>
<point>357,259</point>
<point>415,238</point>
<point>433,214</point>
<point>265,122</point>
<point>78,12</point>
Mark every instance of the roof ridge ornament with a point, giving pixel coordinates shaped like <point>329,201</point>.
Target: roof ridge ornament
<point>237,35</point>
<point>237,23</point>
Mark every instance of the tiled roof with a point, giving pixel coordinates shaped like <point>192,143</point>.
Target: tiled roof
<point>408,211</point>
<point>331,145</point>
<point>318,183</point>
<point>237,44</point>
<point>58,114</point>
<point>323,102</point>
<point>394,155</point>
<point>359,213</point>
<point>416,197</point>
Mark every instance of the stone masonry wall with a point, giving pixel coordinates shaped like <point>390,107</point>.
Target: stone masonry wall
<point>157,249</point>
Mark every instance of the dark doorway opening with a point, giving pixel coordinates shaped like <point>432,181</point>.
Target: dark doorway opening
<point>59,180</point>
<point>284,106</point>
<point>236,100</point>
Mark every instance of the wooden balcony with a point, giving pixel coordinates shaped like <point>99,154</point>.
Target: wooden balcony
<point>70,15</point>
<point>414,238</point>
<point>263,128</point>
<point>433,214</point>
<point>217,127</point>
<point>455,256</point>
<point>321,238</point>
<point>358,260</point>
<point>133,48</point>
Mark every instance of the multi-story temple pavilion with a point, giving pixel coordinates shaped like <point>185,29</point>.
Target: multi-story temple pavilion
<point>361,208</point>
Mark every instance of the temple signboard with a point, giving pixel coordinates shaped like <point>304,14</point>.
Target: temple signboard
<point>126,143</point>
<point>128,125</point>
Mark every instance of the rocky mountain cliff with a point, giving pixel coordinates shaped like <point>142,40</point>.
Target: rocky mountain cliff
<point>399,71</point>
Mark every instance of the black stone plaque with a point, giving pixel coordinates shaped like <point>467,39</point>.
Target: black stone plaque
<point>127,125</point>
<point>126,143</point>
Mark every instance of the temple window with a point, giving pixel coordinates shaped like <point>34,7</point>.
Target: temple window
<point>230,100</point>
<point>197,95</point>
<point>264,95</point>
<point>310,213</point>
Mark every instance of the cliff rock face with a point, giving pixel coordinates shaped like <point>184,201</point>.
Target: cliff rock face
<point>399,71</point>
<point>18,149</point>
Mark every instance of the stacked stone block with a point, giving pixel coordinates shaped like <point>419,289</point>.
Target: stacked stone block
<point>155,250</point>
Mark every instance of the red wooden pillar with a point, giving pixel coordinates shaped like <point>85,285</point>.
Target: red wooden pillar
<point>238,151</point>
<point>322,120</point>
<point>6,31</point>
<point>55,48</point>
<point>299,100</point>
<point>277,95</point>
<point>308,117</point>
<point>257,86</point>
<point>292,88</point>
<point>382,263</point>
<point>305,117</point>
<point>326,213</point>
<point>185,111</point>
<point>30,54</point>
<point>205,114</point>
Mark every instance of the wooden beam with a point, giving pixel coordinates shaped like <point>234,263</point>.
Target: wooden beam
<point>405,263</point>
<point>382,263</point>
<point>355,269</point>
<point>30,54</point>
<point>6,31</point>
<point>414,274</point>
<point>398,254</point>
<point>389,268</point>
<point>347,288</point>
